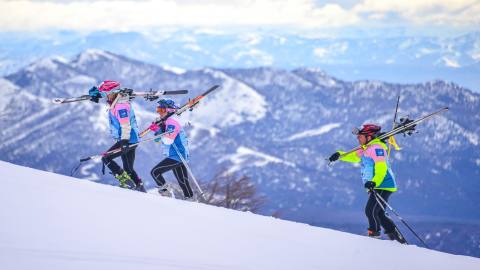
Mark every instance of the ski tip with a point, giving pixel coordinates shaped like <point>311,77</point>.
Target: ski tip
<point>176,92</point>
<point>57,100</point>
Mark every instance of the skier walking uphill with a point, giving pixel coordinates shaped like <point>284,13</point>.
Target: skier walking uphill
<point>175,144</point>
<point>377,177</point>
<point>124,130</point>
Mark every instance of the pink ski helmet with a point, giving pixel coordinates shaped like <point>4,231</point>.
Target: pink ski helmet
<point>109,86</point>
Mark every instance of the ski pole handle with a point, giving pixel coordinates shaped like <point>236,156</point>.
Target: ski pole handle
<point>85,159</point>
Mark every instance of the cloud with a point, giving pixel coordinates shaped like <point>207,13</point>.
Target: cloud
<point>423,12</point>
<point>332,50</point>
<point>129,14</point>
<point>118,15</point>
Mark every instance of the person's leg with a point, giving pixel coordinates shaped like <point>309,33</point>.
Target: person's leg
<point>110,163</point>
<point>385,221</point>
<point>164,165</point>
<point>181,174</point>
<point>128,160</point>
<point>390,229</point>
<point>371,211</point>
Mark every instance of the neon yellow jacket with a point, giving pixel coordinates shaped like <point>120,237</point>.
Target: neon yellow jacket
<point>375,165</point>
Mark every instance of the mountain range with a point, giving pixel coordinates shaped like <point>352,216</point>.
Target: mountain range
<point>276,126</point>
<point>394,57</point>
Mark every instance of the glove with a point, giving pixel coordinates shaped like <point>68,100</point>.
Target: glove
<point>94,94</point>
<point>154,127</point>
<point>334,157</point>
<point>124,146</point>
<point>369,184</point>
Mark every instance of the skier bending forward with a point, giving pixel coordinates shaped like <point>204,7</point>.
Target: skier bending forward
<point>175,144</point>
<point>124,130</point>
<point>377,177</point>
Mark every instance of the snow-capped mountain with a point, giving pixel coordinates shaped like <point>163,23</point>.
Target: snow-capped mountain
<point>274,125</point>
<point>51,221</point>
<point>395,58</point>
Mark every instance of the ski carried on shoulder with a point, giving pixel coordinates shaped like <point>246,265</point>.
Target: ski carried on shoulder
<point>148,95</point>
<point>406,126</point>
<point>187,106</point>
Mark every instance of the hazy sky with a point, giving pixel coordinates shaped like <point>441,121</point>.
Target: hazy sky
<point>121,15</point>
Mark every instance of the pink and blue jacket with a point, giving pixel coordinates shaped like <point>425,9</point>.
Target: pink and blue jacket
<point>175,136</point>
<point>374,164</point>
<point>123,125</point>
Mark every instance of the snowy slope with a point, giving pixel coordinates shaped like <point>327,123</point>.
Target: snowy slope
<point>50,221</point>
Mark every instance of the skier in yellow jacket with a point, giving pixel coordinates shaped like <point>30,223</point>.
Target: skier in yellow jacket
<point>376,176</point>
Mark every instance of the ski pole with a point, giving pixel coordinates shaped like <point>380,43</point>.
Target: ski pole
<point>114,151</point>
<point>118,150</point>
<point>400,218</point>
<point>383,208</point>
<point>189,171</point>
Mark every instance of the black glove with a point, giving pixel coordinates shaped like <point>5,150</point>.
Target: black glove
<point>334,157</point>
<point>124,146</point>
<point>369,184</point>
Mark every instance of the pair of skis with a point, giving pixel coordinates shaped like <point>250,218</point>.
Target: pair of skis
<point>187,106</point>
<point>148,95</point>
<point>406,126</point>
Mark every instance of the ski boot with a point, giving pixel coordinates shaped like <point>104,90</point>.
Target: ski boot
<point>397,236</point>
<point>165,190</point>
<point>123,178</point>
<point>191,198</point>
<point>140,187</point>
<point>373,234</point>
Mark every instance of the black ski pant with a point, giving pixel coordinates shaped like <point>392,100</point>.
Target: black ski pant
<point>179,171</point>
<point>376,215</point>
<point>128,159</point>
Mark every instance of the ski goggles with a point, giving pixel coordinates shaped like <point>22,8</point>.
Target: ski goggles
<point>164,109</point>
<point>356,131</point>
<point>104,94</point>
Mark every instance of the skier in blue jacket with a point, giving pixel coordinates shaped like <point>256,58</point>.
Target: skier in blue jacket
<point>175,149</point>
<point>124,130</point>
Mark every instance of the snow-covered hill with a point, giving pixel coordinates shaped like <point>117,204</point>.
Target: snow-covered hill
<point>275,126</point>
<point>50,221</point>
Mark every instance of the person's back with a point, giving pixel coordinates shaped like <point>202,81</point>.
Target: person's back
<point>175,141</point>
<point>376,167</point>
<point>122,120</point>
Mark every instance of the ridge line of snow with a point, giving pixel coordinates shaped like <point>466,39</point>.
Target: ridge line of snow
<point>314,132</point>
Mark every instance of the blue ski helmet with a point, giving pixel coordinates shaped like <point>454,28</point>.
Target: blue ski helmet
<point>167,103</point>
